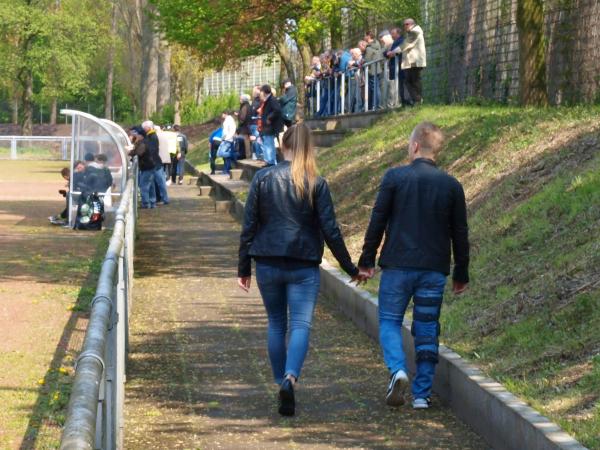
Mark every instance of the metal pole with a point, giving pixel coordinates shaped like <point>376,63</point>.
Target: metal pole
<point>13,148</point>
<point>335,95</point>
<point>318,96</point>
<point>343,93</point>
<point>397,79</point>
<point>366,105</point>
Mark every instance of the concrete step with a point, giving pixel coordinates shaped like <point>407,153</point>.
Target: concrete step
<point>249,168</point>
<point>345,122</point>
<point>328,138</point>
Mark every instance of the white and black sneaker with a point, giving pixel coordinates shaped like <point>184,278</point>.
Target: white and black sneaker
<point>421,403</point>
<point>396,393</point>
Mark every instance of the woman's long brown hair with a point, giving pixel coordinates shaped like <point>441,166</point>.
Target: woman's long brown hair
<point>298,140</point>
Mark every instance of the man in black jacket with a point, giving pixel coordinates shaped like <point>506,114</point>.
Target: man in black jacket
<point>271,124</point>
<point>423,213</point>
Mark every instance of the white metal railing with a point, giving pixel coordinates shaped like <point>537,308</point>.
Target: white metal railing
<point>64,143</point>
<point>95,415</point>
<point>355,90</point>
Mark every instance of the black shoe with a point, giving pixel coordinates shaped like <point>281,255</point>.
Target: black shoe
<point>287,403</point>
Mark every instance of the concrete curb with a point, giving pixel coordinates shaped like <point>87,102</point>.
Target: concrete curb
<point>501,418</point>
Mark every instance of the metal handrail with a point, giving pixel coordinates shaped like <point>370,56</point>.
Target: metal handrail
<point>95,411</point>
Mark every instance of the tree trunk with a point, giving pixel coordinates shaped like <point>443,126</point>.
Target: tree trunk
<point>53,111</point>
<point>532,52</point>
<point>306,56</point>
<point>164,76</point>
<point>177,101</point>
<point>108,95</point>
<point>149,77</point>
<point>15,110</point>
<point>27,123</point>
<point>286,59</point>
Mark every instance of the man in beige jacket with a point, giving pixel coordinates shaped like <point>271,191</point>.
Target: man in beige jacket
<point>413,59</point>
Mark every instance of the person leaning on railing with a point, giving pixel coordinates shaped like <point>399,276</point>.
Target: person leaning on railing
<point>372,52</point>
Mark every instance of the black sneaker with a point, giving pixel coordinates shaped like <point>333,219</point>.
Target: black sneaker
<point>287,403</point>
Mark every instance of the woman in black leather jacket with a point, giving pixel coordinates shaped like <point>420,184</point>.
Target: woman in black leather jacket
<point>289,215</point>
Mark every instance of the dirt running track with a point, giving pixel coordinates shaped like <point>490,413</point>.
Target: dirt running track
<point>199,377</point>
<point>42,271</point>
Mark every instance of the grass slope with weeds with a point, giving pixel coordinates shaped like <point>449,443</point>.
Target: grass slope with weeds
<point>532,181</point>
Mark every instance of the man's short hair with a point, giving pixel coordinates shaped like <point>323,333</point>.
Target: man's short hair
<point>429,136</point>
<point>384,33</point>
<point>266,89</point>
<point>245,97</point>
<point>101,157</point>
<point>88,157</point>
<point>176,127</point>
<point>369,33</point>
<point>147,124</point>
<point>65,172</point>
<point>396,30</point>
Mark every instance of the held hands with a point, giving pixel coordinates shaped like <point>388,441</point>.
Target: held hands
<point>244,283</point>
<point>364,274</point>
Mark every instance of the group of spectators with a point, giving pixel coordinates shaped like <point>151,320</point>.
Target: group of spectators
<point>260,120</point>
<point>161,157</point>
<point>371,66</point>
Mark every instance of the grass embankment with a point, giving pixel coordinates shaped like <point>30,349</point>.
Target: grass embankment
<point>532,180</point>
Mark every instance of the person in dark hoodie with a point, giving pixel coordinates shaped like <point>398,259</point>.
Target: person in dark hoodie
<point>271,124</point>
<point>288,102</point>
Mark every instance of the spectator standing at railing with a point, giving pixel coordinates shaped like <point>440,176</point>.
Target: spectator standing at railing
<point>396,57</point>
<point>388,83</point>
<point>414,59</point>
<point>356,85</point>
<point>341,71</point>
<point>324,78</point>
<point>372,52</point>
<point>288,102</point>
<point>310,82</point>
<point>271,124</point>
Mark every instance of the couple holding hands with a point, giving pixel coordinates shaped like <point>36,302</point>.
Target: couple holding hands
<point>288,217</point>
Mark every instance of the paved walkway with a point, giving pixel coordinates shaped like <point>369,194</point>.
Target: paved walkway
<point>199,376</point>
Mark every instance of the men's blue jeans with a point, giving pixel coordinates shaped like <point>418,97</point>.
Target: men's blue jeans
<point>268,147</point>
<point>161,184</point>
<point>146,180</point>
<point>294,292</point>
<point>426,288</point>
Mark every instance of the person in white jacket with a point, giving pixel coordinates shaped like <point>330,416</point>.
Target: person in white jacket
<point>414,59</point>
<point>226,149</point>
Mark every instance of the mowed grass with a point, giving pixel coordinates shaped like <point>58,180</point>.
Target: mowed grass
<point>532,180</point>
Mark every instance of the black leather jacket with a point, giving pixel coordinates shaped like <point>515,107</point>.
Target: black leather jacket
<point>422,211</point>
<point>279,225</point>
